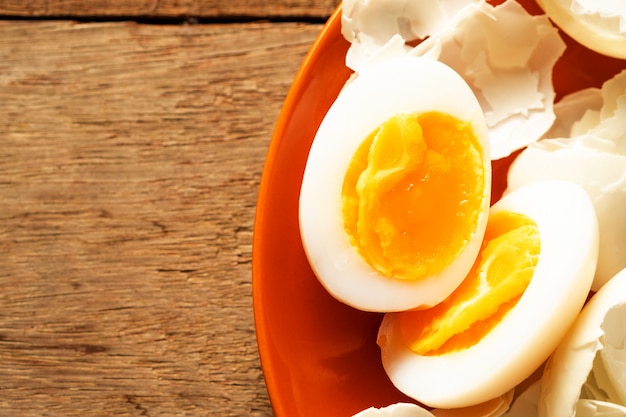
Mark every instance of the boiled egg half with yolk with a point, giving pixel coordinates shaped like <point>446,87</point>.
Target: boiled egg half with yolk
<point>396,190</point>
<point>526,288</point>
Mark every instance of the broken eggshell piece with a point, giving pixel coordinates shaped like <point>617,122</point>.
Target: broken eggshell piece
<point>380,29</point>
<point>525,405</point>
<point>506,56</point>
<point>586,373</point>
<point>396,410</point>
<point>493,408</point>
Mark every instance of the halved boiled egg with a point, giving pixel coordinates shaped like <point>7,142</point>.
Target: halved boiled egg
<point>526,288</point>
<point>396,189</point>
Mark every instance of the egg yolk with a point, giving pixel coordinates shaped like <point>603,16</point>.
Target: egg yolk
<point>499,277</point>
<point>413,194</point>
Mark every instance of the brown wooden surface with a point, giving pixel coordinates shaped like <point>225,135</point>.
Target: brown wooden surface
<point>130,157</point>
<point>198,8</point>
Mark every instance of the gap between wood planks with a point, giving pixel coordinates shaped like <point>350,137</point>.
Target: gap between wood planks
<point>175,20</point>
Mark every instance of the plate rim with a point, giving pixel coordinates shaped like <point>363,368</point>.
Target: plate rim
<point>297,86</point>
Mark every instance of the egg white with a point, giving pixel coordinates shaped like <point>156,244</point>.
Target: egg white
<point>530,331</point>
<point>396,86</point>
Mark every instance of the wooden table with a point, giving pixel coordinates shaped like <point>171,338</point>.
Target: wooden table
<point>132,140</point>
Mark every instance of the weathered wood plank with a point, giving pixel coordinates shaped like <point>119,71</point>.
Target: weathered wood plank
<point>169,8</point>
<point>130,157</point>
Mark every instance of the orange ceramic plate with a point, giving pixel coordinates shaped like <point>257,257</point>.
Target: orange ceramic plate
<point>319,356</point>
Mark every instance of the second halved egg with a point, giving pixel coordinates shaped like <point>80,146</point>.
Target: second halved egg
<point>528,285</point>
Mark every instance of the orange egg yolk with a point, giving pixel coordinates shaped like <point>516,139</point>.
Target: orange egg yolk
<point>498,279</point>
<point>413,194</point>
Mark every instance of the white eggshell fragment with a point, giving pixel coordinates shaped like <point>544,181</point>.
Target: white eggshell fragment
<point>380,28</point>
<point>506,56</point>
<point>598,25</point>
<point>596,160</point>
<point>396,410</point>
<point>576,113</point>
<point>531,330</point>
<point>586,375</point>
<point>405,85</point>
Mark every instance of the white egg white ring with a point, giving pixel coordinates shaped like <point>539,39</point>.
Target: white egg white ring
<point>572,361</point>
<point>397,86</point>
<point>591,31</point>
<point>527,335</point>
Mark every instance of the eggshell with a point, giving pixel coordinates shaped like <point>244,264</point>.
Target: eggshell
<point>375,28</point>
<point>531,330</point>
<point>507,56</point>
<point>595,342</point>
<point>404,85</point>
<point>576,113</point>
<point>525,405</point>
<point>396,410</point>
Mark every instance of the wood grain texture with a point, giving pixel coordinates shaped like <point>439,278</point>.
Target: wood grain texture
<point>130,157</point>
<point>169,8</point>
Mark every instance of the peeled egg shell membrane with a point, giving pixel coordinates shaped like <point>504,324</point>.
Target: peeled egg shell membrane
<point>525,405</point>
<point>405,86</point>
<point>593,408</point>
<point>586,372</point>
<point>613,95</point>
<point>574,111</point>
<point>598,25</point>
<point>525,336</point>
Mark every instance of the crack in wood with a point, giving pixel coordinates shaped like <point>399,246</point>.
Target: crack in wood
<point>132,400</point>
